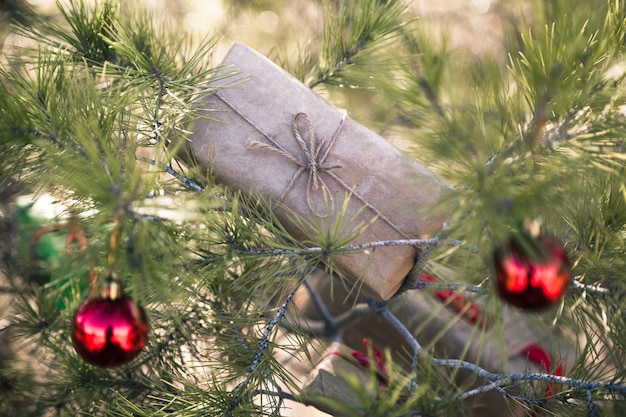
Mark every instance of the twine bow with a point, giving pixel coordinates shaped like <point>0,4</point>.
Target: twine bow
<point>315,153</point>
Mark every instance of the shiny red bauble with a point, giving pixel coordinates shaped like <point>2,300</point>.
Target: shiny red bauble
<point>109,331</point>
<point>532,272</point>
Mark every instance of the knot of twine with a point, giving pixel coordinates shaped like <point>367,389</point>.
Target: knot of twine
<point>314,153</point>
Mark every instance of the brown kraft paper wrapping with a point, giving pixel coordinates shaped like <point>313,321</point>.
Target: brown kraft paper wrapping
<point>329,382</point>
<point>276,138</point>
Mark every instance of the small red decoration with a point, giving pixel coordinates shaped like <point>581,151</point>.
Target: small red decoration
<point>363,359</point>
<point>532,272</point>
<point>109,330</point>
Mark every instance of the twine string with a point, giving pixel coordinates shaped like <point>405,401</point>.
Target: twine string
<point>315,154</point>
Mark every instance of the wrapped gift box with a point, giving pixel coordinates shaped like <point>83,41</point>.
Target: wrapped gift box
<point>269,135</point>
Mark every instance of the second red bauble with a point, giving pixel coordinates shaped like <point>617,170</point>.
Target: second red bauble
<point>109,331</point>
<point>532,272</point>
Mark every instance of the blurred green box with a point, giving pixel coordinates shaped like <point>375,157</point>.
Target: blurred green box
<point>45,257</point>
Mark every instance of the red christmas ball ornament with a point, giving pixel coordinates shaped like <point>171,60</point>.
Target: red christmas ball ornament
<point>532,271</point>
<point>109,330</point>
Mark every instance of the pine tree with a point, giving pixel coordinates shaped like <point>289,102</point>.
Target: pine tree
<point>94,112</point>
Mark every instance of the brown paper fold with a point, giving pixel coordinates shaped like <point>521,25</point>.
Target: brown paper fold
<point>280,140</point>
<point>329,380</point>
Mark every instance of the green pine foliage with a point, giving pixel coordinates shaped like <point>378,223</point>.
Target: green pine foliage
<point>96,109</point>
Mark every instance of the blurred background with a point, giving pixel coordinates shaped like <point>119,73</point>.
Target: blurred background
<point>283,29</point>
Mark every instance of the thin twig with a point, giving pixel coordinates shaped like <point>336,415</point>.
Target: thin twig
<point>408,336</point>
<point>265,339</point>
<point>591,406</point>
<point>319,304</point>
<point>323,328</point>
<point>526,400</point>
<point>185,180</point>
<point>590,288</point>
<point>437,286</point>
<point>270,326</point>
<point>280,394</point>
<point>353,247</point>
<point>499,380</point>
<point>189,183</point>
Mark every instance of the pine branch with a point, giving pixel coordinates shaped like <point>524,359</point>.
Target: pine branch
<point>495,380</point>
<point>354,30</point>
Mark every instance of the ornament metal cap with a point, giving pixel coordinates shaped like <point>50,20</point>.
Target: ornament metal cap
<point>533,227</point>
<point>113,288</point>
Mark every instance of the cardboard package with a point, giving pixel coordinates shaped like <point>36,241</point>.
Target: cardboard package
<point>317,168</point>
